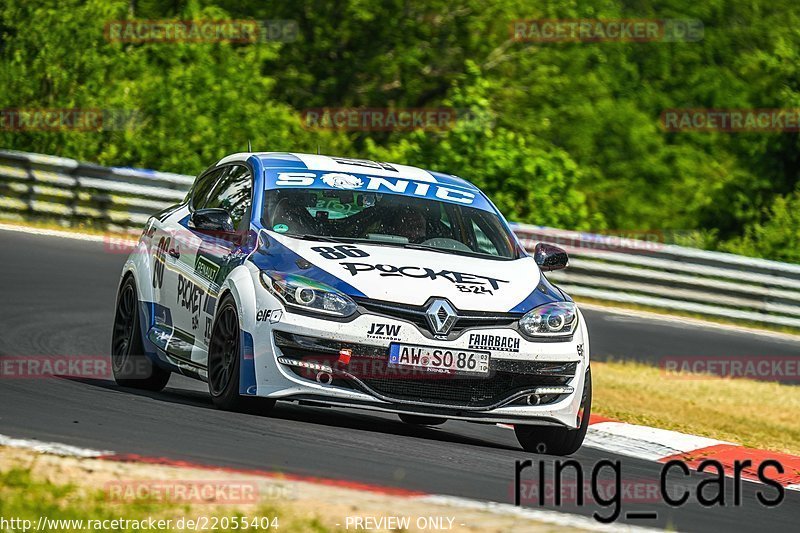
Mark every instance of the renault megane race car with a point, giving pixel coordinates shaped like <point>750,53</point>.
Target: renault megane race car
<point>354,283</point>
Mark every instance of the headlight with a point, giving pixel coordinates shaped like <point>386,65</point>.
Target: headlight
<point>308,294</point>
<point>550,320</point>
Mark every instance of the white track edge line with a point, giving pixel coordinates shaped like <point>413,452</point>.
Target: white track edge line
<point>540,515</point>
<point>66,234</point>
<point>54,448</point>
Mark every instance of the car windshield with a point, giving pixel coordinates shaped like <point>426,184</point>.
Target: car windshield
<point>391,219</point>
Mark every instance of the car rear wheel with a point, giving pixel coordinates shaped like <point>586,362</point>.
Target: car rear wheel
<point>419,420</point>
<point>558,440</point>
<point>130,365</point>
<point>224,358</point>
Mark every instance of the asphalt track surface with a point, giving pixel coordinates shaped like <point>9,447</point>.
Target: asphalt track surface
<point>58,297</point>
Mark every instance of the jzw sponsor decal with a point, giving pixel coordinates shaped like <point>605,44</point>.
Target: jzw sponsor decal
<point>458,278</point>
<point>205,268</point>
<point>269,315</point>
<point>377,184</point>
<point>499,343</point>
<point>383,331</point>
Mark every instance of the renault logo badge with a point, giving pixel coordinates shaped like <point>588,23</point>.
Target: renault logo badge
<point>441,317</point>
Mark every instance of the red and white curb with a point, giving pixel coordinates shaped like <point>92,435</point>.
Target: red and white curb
<point>662,445</point>
<point>540,515</point>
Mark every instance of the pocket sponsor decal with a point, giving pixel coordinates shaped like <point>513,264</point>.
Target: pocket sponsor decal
<point>190,297</point>
<point>498,343</point>
<point>457,278</point>
<point>474,289</point>
<point>384,331</point>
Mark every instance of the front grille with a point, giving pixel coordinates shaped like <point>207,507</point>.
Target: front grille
<point>461,391</point>
<point>368,371</point>
<point>416,315</point>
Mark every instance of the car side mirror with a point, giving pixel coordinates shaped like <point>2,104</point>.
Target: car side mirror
<point>550,257</point>
<point>212,219</point>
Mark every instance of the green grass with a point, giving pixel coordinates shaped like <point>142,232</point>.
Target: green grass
<point>757,414</point>
<point>26,498</point>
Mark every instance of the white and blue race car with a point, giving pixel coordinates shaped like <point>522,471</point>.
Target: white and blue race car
<point>354,283</point>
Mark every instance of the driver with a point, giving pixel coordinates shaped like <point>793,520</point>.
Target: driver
<point>410,223</point>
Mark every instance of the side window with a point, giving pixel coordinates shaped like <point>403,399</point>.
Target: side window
<point>233,193</point>
<point>202,187</point>
<point>490,236</point>
<point>485,245</point>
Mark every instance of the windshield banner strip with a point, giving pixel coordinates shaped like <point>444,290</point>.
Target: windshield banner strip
<point>450,193</point>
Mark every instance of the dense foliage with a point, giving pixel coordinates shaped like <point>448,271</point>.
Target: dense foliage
<point>564,134</point>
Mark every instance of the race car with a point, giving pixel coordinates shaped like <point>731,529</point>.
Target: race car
<point>354,283</point>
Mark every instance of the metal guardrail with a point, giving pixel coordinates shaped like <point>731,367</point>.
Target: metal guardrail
<point>602,267</point>
<point>44,185</point>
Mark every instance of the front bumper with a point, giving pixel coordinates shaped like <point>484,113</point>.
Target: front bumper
<point>298,358</point>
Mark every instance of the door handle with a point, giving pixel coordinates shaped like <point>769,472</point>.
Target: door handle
<point>175,253</point>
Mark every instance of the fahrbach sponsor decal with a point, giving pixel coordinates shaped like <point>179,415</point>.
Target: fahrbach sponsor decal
<point>498,343</point>
<point>458,278</point>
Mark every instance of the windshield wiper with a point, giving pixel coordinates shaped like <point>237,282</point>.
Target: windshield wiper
<point>310,237</point>
<point>434,248</point>
<point>453,251</point>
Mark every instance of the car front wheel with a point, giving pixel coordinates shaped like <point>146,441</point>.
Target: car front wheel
<point>224,359</point>
<point>558,440</point>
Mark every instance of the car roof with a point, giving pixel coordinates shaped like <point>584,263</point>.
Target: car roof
<point>300,161</point>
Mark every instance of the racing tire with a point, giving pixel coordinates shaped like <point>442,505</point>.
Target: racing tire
<point>224,360</point>
<point>419,420</point>
<point>558,440</point>
<point>129,364</point>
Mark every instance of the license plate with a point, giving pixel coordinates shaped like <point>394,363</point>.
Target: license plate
<point>439,359</point>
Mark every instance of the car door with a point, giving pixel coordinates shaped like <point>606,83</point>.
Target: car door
<point>176,301</point>
<point>208,257</point>
<point>161,231</point>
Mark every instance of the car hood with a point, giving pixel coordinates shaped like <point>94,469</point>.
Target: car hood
<point>411,276</point>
